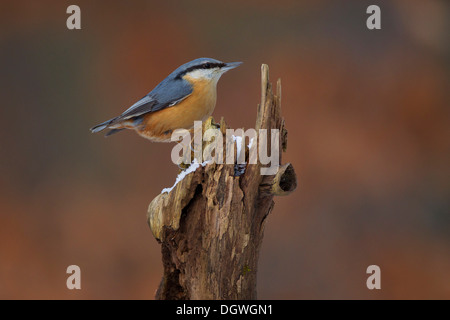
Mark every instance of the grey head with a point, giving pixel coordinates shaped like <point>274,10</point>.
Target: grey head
<point>206,67</point>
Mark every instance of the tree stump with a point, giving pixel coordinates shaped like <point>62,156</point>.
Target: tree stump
<point>211,224</point>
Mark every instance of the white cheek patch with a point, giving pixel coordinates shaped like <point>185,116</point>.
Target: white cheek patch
<point>205,74</point>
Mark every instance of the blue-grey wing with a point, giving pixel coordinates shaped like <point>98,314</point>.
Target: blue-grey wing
<point>166,94</point>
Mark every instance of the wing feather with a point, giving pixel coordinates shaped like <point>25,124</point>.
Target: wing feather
<point>168,93</point>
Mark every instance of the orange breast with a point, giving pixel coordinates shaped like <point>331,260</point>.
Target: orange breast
<point>198,106</point>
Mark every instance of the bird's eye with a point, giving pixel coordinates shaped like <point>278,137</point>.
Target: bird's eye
<point>207,65</point>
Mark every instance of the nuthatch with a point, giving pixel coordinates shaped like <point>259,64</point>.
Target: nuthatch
<point>186,95</point>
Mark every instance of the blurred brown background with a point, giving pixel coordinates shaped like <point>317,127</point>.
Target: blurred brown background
<point>369,126</point>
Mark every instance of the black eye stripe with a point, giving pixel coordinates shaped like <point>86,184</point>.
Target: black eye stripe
<point>209,65</point>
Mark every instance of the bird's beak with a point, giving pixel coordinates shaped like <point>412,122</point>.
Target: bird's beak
<point>231,65</point>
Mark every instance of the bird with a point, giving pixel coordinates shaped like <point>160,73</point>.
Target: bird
<point>188,94</point>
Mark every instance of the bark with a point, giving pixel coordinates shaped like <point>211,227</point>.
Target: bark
<point>211,225</point>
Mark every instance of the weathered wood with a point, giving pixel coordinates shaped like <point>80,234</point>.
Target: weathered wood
<point>282,184</point>
<point>211,224</point>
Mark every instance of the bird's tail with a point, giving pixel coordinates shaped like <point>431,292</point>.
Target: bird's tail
<point>101,126</point>
<point>110,132</point>
<point>105,125</point>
